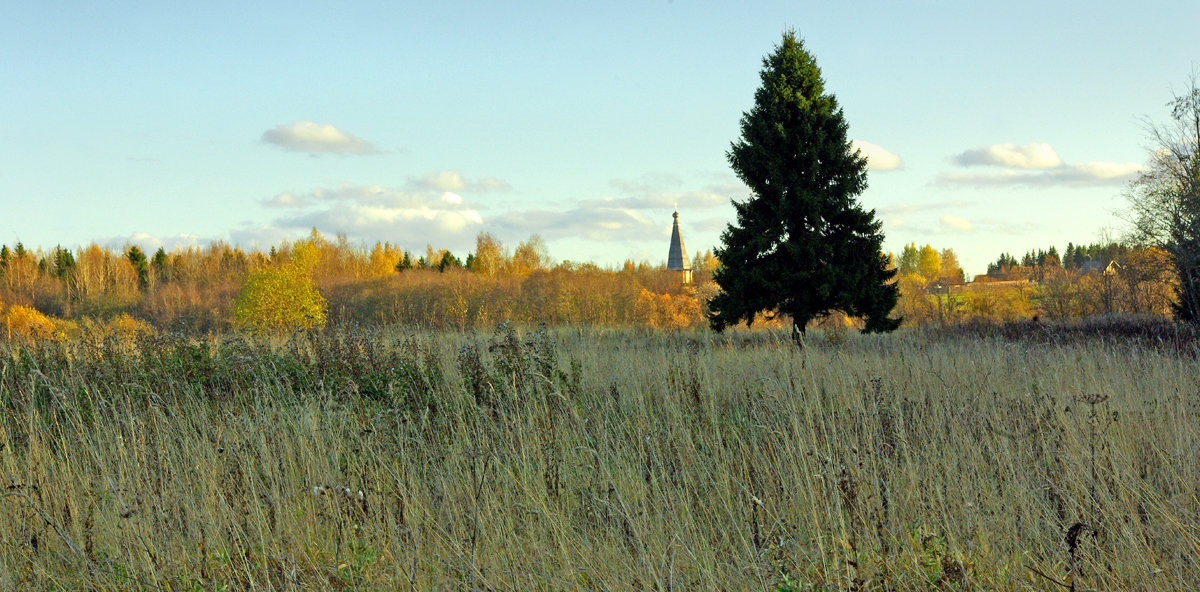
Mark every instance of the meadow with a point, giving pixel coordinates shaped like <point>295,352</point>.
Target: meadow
<point>599,459</point>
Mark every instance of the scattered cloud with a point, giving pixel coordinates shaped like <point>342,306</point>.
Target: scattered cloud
<point>639,214</point>
<point>728,185</point>
<point>1038,155</point>
<point>687,200</point>
<point>662,191</point>
<point>375,212</point>
<point>262,237</point>
<point>1034,165</point>
<point>1105,170</point>
<point>316,138</point>
<point>711,225</point>
<point>956,223</point>
<point>901,209</point>
<point>1088,174</point>
<point>895,215</point>
<point>593,222</point>
<point>149,243</point>
<point>616,219</point>
<point>450,180</point>
<point>878,158</point>
<point>437,209</point>
<point>995,226</point>
<point>287,200</point>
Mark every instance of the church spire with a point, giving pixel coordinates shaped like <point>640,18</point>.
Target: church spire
<point>677,257</point>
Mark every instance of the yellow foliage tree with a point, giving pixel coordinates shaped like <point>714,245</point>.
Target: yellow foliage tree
<point>383,260</point>
<point>666,311</point>
<point>275,300</point>
<point>915,304</point>
<point>929,263</point>
<point>489,255</point>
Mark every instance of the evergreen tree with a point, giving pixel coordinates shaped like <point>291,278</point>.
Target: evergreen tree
<point>448,260</point>
<point>64,262</point>
<point>405,262</point>
<point>159,263</point>
<point>801,245</point>
<point>140,265</point>
<point>1051,259</point>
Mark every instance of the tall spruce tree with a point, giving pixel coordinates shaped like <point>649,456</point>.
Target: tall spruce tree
<point>802,245</point>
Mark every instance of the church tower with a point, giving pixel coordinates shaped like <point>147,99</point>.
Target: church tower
<point>677,259</point>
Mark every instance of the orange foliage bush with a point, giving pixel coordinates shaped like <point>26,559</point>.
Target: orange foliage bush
<point>26,323</point>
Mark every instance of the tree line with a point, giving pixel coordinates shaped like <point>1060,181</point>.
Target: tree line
<point>306,283</point>
<point>220,287</point>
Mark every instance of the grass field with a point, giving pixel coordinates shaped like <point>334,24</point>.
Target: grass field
<point>599,460</point>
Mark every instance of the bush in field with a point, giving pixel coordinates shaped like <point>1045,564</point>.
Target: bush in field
<point>281,299</point>
<point>122,326</point>
<point>27,323</point>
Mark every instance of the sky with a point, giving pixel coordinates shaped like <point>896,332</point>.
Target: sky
<point>989,127</point>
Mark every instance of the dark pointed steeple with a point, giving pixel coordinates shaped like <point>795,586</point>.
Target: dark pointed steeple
<point>677,257</point>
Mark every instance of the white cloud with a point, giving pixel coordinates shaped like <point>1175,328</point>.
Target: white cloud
<point>286,200</point>
<point>149,243</point>
<point>1037,165</point>
<point>685,200</point>
<point>895,215</point>
<point>444,180</point>
<point>714,225</point>
<point>901,209</point>
<point>592,222</point>
<point>263,237</point>
<point>431,209</point>
<point>1088,174</point>
<point>640,214</point>
<point>662,191</point>
<point>377,212</point>
<point>956,223</point>
<point>451,180</point>
<point>314,138</point>
<point>1105,170</point>
<point>878,158</point>
<point>1038,155</point>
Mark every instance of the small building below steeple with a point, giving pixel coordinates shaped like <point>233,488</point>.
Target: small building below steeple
<point>677,257</point>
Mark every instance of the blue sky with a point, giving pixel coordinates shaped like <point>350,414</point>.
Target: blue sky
<point>992,126</point>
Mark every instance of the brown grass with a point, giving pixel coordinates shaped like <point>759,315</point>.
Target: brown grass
<point>598,460</point>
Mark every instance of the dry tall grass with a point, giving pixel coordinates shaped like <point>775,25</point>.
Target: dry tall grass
<point>594,460</point>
